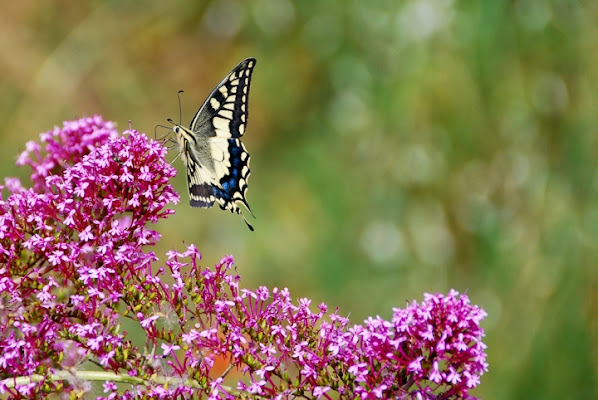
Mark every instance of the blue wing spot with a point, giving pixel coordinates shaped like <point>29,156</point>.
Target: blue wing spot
<point>232,182</point>
<point>225,186</point>
<point>221,194</point>
<point>235,150</point>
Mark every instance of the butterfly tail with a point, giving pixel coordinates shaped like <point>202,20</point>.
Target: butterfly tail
<point>247,222</point>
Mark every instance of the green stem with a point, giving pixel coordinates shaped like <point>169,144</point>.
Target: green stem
<point>97,376</point>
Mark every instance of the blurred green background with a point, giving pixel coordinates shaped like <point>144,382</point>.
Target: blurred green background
<point>398,147</point>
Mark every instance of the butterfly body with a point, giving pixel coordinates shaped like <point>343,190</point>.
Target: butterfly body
<point>211,148</point>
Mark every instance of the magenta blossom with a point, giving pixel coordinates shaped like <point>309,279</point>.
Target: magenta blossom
<point>75,265</point>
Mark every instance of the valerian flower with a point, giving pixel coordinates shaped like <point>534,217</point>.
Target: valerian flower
<point>75,264</point>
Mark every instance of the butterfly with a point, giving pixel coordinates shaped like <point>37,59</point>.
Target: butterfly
<point>216,159</point>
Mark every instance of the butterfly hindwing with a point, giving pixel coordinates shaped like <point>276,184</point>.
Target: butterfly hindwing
<point>201,193</point>
<point>216,159</point>
<point>233,186</point>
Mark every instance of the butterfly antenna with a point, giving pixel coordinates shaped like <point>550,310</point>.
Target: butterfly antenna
<point>180,107</point>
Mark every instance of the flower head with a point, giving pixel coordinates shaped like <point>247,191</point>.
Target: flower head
<point>69,244</point>
<point>63,147</point>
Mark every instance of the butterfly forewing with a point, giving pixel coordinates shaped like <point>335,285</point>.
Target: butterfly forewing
<point>225,111</point>
<point>216,159</point>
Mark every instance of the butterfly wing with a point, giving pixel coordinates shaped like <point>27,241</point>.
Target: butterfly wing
<point>217,161</point>
<point>224,113</point>
<point>201,193</point>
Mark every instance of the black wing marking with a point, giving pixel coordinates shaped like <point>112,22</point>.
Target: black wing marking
<point>225,111</point>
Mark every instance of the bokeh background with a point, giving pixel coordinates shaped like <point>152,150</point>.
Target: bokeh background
<point>398,147</point>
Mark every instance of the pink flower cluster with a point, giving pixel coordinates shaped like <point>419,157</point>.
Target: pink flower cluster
<point>75,268</point>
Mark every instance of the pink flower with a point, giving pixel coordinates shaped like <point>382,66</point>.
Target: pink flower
<point>169,348</point>
<point>75,264</point>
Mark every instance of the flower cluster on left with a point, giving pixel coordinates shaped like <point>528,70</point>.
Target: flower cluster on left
<point>69,245</point>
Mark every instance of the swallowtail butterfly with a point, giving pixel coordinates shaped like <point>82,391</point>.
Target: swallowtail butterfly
<point>216,160</point>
